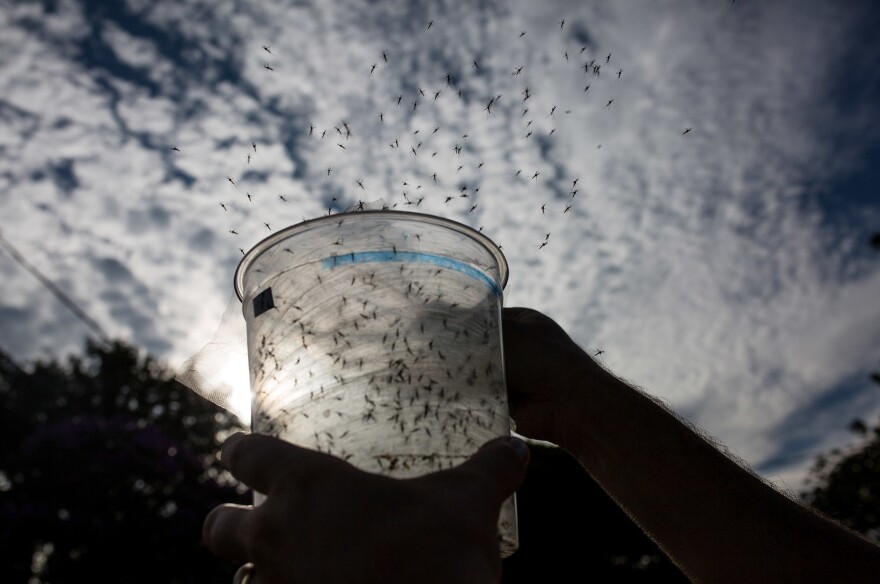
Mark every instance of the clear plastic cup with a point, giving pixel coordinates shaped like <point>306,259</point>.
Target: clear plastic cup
<point>375,336</point>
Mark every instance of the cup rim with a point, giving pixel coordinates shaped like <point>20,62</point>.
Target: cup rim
<point>267,242</point>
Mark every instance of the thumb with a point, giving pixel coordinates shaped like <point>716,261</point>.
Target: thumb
<point>501,463</point>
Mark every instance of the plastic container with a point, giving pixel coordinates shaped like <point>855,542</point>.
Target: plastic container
<point>376,336</point>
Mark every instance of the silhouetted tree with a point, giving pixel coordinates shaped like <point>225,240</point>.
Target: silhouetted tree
<point>845,483</point>
<point>108,470</point>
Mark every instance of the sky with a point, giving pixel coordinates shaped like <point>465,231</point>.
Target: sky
<point>705,170</point>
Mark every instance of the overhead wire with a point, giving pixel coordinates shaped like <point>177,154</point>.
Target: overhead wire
<point>66,300</point>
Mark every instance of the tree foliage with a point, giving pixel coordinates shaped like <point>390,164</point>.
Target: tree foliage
<point>108,470</point>
<point>845,483</point>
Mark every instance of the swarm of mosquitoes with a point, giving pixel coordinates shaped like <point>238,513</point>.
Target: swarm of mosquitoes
<point>419,383</point>
<point>413,195</point>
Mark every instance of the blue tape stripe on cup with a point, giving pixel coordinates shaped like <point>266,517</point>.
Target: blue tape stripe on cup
<point>370,257</point>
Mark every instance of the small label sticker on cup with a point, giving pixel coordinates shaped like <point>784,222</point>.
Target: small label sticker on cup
<point>263,302</point>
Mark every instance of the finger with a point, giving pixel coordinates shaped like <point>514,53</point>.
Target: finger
<point>501,464</point>
<point>521,314</point>
<point>518,343</point>
<point>244,575</point>
<point>228,532</point>
<point>262,461</point>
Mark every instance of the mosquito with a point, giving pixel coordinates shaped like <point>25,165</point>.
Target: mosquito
<point>232,181</point>
<point>381,117</point>
<point>233,232</point>
<point>610,101</point>
<point>687,130</point>
<point>399,97</point>
<point>266,48</point>
<point>599,352</point>
<point>561,23</point>
<point>175,148</point>
<point>535,176</point>
<point>268,68</point>
<point>567,207</point>
<point>329,170</point>
<point>224,207</point>
<point>373,68</point>
<point>267,226</point>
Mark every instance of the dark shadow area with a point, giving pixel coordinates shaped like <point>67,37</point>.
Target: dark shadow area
<point>108,468</point>
<point>571,531</point>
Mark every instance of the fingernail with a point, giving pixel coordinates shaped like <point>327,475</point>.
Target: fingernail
<point>520,448</point>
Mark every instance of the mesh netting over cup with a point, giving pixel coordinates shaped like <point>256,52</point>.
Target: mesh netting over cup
<point>219,371</point>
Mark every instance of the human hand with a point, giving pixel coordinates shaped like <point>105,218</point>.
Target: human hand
<point>543,368</point>
<point>325,521</point>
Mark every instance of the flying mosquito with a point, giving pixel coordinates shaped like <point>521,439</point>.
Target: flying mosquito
<point>266,48</point>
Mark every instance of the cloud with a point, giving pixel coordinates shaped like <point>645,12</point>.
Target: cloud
<point>715,267</point>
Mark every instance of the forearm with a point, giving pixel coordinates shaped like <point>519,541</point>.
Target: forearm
<point>716,520</point>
